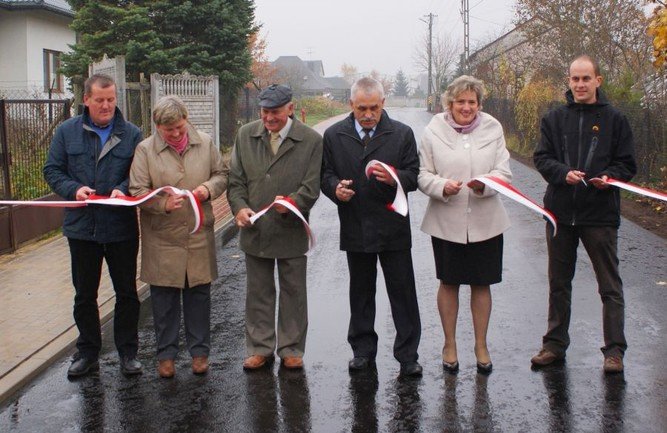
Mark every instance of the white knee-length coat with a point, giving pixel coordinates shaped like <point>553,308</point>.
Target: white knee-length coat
<point>446,154</point>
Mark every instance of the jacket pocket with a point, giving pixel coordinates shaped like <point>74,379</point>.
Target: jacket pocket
<point>77,158</point>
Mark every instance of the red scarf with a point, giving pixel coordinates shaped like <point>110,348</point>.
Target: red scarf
<point>179,146</point>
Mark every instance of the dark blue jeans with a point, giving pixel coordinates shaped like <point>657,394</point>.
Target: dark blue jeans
<point>601,246</point>
<point>121,258</point>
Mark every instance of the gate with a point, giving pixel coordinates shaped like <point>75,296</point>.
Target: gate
<point>26,129</point>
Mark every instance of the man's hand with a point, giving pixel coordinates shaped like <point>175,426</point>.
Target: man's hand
<point>117,193</point>
<point>242,217</point>
<point>83,193</point>
<point>574,177</point>
<point>278,207</point>
<point>343,190</point>
<point>476,186</point>
<point>600,182</point>
<point>382,175</point>
<point>452,187</point>
<point>202,193</point>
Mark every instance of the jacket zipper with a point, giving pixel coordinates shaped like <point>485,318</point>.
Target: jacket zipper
<point>574,193</point>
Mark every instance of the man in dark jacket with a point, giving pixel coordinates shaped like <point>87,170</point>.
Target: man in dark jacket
<point>583,144</point>
<point>91,154</point>
<point>369,229</point>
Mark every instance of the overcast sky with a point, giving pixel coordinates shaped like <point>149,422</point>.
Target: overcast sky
<point>372,34</point>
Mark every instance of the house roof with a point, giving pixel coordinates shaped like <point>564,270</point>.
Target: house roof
<point>60,7</point>
<point>293,65</point>
<point>338,83</point>
<point>503,44</point>
<point>316,66</point>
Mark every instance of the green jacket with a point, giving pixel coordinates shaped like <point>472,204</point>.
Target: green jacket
<point>256,177</point>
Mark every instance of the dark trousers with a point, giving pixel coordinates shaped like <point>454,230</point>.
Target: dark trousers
<point>121,258</point>
<point>400,281</point>
<point>601,246</point>
<point>166,302</point>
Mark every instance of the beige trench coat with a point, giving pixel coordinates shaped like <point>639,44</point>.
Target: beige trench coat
<point>168,251</point>
<point>446,154</point>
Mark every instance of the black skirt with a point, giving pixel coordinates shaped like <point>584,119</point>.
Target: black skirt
<point>475,263</point>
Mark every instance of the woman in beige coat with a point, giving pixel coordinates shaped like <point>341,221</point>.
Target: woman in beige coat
<point>464,218</point>
<point>174,262</point>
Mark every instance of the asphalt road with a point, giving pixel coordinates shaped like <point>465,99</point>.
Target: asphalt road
<point>574,397</point>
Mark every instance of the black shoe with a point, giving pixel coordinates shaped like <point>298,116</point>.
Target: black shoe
<point>82,366</point>
<point>452,368</point>
<point>130,366</point>
<point>359,363</point>
<point>411,368</point>
<point>484,368</point>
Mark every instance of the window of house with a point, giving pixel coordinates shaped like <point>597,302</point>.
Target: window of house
<point>53,80</point>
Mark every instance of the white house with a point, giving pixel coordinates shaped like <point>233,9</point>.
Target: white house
<point>33,35</point>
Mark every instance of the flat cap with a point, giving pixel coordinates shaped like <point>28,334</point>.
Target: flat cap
<point>274,96</point>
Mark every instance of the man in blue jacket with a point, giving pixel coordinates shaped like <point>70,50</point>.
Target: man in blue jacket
<point>583,144</point>
<point>369,230</point>
<point>91,154</point>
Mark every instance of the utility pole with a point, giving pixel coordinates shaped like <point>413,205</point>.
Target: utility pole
<point>465,14</point>
<point>429,97</point>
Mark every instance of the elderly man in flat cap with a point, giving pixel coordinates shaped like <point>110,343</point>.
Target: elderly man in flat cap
<point>275,157</point>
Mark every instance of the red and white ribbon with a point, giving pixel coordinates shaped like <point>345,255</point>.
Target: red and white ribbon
<point>510,191</point>
<point>400,203</point>
<point>658,195</point>
<point>289,203</point>
<point>118,201</point>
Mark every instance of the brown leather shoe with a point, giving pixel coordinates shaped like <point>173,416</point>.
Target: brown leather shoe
<point>166,368</point>
<point>293,362</point>
<point>199,364</point>
<point>256,361</point>
<point>545,357</point>
<point>613,364</point>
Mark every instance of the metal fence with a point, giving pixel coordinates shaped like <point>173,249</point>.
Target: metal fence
<point>649,127</point>
<point>26,130</point>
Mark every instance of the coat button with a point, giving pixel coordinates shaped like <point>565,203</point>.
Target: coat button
<point>469,210</point>
<point>465,146</point>
<point>268,176</point>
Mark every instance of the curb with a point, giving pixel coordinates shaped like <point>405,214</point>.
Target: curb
<point>45,356</point>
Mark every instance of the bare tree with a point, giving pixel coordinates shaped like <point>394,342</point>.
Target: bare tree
<point>444,55</point>
<point>612,31</point>
<point>263,72</point>
<point>350,72</point>
<point>386,81</point>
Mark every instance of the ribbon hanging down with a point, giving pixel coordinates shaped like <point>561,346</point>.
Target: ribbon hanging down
<point>638,189</point>
<point>118,201</point>
<point>510,191</point>
<point>289,203</point>
<point>400,203</point>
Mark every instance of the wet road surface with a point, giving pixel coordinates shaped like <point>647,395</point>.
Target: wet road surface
<point>574,397</point>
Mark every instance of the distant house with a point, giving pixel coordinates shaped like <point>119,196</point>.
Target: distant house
<point>33,35</point>
<point>306,78</point>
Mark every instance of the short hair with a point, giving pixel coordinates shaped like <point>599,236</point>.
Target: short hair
<point>169,109</point>
<point>587,58</point>
<point>100,80</point>
<point>461,84</point>
<point>367,85</point>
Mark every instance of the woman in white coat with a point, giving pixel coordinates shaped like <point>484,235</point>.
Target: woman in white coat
<point>465,218</point>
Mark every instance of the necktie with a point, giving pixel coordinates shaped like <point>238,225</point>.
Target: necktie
<point>367,136</point>
<point>275,142</point>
